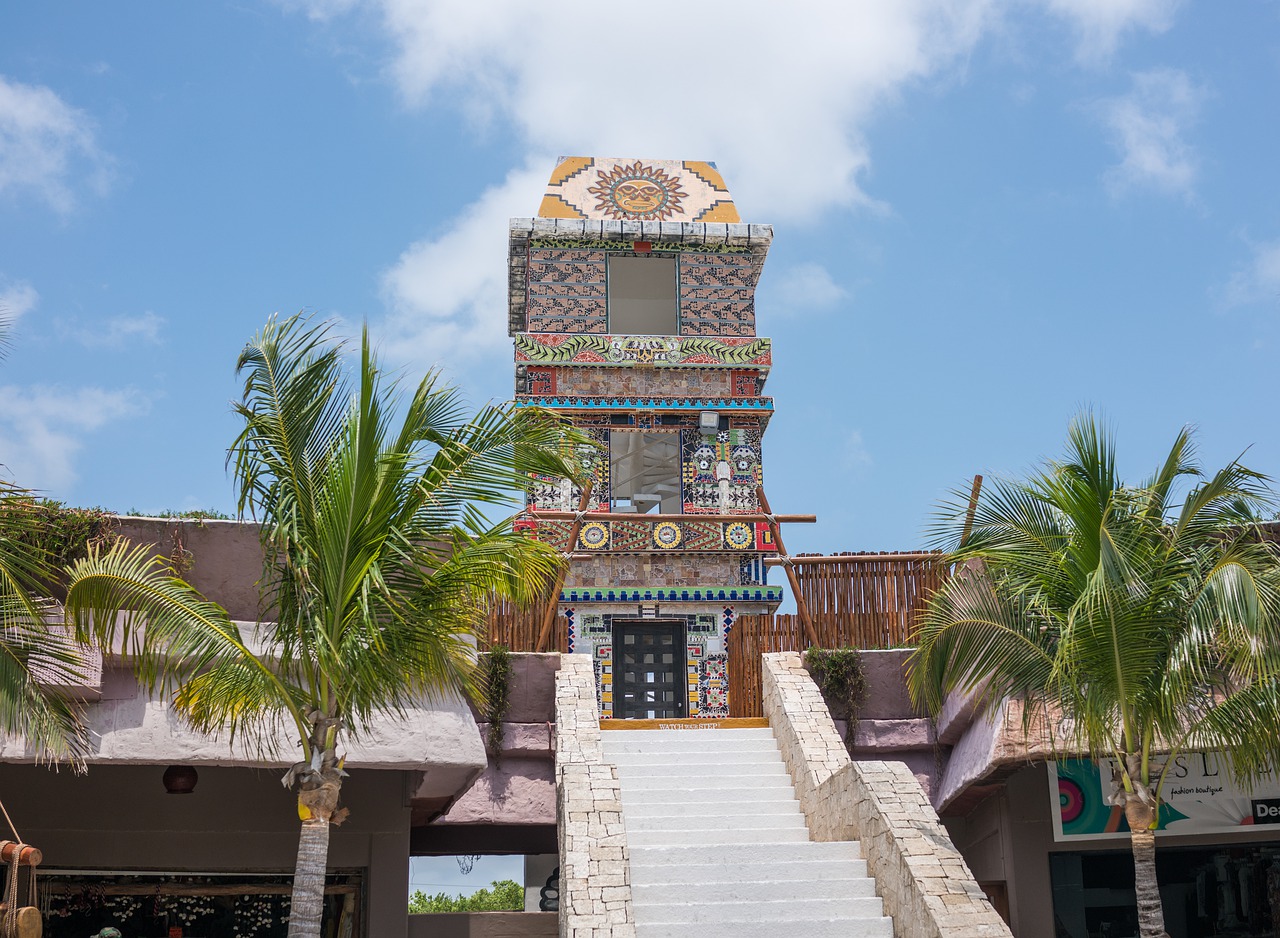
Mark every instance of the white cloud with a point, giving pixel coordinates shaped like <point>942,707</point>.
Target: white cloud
<point>117,332</point>
<point>1147,126</point>
<point>1258,281</point>
<point>778,94</point>
<point>855,455</point>
<point>42,429</point>
<point>806,286</point>
<point>47,147</point>
<point>1100,24</point>
<point>17,298</point>
<point>448,293</point>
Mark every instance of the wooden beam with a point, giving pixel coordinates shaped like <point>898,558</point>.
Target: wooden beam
<point>775,526</point>
<point>973,509</point>
<point>553,601</point>
<point>910,556</point>
<point>637,516</point>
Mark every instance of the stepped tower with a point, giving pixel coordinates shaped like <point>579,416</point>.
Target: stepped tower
<point>632,306</point>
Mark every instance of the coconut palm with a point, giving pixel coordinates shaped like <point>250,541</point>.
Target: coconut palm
<point>378,563</point>
<point>1139,623</point>
<point>32,655</point>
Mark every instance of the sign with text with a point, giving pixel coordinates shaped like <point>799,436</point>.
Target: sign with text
<point>1199,797</point>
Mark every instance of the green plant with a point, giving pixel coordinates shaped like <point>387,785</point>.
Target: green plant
<point>495,682</point>
<point>506,896</point>
<point>379,561</point>
<point>840,675</point>
<point>1134,622</point>
<point>62,533</point>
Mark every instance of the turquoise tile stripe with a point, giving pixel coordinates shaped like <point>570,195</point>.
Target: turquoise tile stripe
<point>740,594</point>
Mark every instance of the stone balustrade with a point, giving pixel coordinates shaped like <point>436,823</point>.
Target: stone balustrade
<point>919,873</point>
<point>595,879</point>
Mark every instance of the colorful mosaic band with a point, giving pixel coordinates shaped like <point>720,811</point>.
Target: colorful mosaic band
<point>649,403</point>
<point>677,594</point>
<point>639,535</point>
<point>669,351</point>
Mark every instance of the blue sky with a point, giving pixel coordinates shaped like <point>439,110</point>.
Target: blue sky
<point>987,215</point>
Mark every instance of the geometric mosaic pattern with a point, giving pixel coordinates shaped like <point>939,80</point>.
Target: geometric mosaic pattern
<point>637,535</point>
<point>585,187</point>
<point>672,594</point>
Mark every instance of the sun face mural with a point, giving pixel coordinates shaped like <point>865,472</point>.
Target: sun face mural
<point>637,193</point>
<point>637,190</point>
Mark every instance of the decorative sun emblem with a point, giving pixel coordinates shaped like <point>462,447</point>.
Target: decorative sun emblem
<point>637,192</point>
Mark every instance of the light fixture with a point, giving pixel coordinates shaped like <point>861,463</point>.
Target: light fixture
<point>180,779</point>
<point>709,421</point>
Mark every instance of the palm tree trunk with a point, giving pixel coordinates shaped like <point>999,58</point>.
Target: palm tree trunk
<point>308,879</point>
<point>1143,839</point>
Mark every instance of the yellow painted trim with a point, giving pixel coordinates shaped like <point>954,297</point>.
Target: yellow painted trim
<point>555,207</point>
<point>570,167</point>
<point>707,173</point>
<point>706,723</point>
<point>724,211</point>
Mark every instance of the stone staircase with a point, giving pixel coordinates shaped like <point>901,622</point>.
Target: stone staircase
<point>719,847</point>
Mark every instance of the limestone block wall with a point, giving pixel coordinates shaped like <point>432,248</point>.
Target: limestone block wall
<point>925,884</point>
<point>595,877</point>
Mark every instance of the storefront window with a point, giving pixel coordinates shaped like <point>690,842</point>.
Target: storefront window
<point>1208,892</point>
<point>186,905</point>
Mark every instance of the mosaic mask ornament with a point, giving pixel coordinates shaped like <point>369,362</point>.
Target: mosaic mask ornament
<point>637,192</point>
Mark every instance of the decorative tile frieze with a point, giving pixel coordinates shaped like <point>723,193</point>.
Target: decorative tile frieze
<point>758,594</point>
<point>752,352</point>
<point>650,403</point>
<point>629,534</point>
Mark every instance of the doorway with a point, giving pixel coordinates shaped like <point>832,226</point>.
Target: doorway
<point>649,670</point>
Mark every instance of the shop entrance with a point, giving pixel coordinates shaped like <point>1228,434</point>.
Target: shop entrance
<point>649,680</point>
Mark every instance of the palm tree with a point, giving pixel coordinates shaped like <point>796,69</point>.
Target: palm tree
<point>1139,626</point>
<point>32,655</point>
<point>378,563</point>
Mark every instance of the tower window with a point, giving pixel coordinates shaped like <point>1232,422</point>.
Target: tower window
<point>644,469</point>
<point>642,296</point>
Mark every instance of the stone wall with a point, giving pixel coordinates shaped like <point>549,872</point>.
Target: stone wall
<point>925,884</point>
<point>595,867</point>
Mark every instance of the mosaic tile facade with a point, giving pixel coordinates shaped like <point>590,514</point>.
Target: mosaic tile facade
<point>583,187</point>
<point>635,382</point>
<point>629,567</point>
<point>717,294</point>
<point>720,474</point>
<point>567,293</point>
<point>706,661</point>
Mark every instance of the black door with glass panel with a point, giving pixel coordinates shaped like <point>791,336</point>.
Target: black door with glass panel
<point>649,670</point>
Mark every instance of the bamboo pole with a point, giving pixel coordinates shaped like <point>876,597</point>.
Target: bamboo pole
<point>553,601</point>
<point>973,509</point>
<point>776,528</point>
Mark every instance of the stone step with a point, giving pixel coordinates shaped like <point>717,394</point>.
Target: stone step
<point>753,890</point>
<point>686,912</point>
<point>705,770</point>
<point>688,837</point>
<point>697,796</point>
<point>687,810</point>
<point>677,856</point>
<point>610,737</point>
<point>734,870</point>
<point>695,757</point>
<point>699,743</point>
<point>749,928</point>
<point>744,822</point>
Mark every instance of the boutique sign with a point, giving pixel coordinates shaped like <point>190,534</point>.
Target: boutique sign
<point>1199,797</point>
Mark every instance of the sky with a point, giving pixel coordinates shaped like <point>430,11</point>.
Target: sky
<point>988,215</point>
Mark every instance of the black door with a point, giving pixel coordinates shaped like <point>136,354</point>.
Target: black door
<point>649,670</point>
